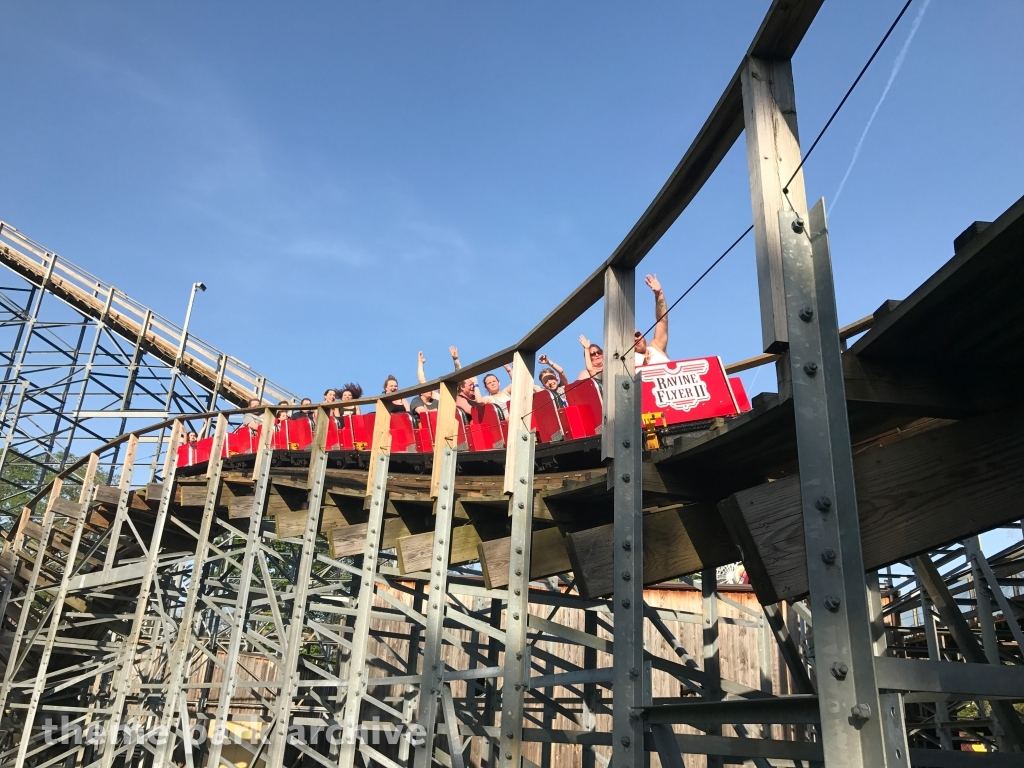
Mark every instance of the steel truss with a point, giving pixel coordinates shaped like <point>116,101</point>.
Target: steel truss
<point>207,639</point>
<point>81,363</point>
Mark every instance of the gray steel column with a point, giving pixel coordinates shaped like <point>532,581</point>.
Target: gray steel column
<point>122,674</point>
<point>851,728</point>
<point>932,639</point>
<point>517,653</point>
<point>432,676</point>
<point>188,624</point>
<point>357,671</point>
<point>287,670</point>
<point>712,661</point>
<point>625,475</point>
<point>240,611</point>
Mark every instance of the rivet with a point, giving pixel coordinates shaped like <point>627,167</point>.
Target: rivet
<point>521,505</point>
<point>811,368</point>
<point>627,544</point>
<point>516,590</point>
<point>823,503</point>
<point>519,571</point>
<point>523,438</point>
<point>626,575</point>
<point>832,603</point>
<point>515,615</point>
<point>445,487</point>
<point>798,225</point>
<point>519,550</point>
<point>828,556</point>
<point>519,655</point>
<point>840,670</point>
<point>625,741</point>
<point>861,711</point>
<point>625,385</point>
<point>625,443</point>
<point>634,672</point>
<point>438,557</point>
<point>508,755</point>
<point>509,736</point>
<point>625,602</point>
<point>806,313</point>
<point>625,477</point>
<point>522,480</point>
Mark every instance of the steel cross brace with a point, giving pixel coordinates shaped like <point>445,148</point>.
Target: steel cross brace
<point>433,667</point>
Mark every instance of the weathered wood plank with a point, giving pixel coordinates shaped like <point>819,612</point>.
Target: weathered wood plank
<point>548,557</point>
<point>348,540</point>
<point>676,542</point>
<point>414,551</point>
<point>913,495</point>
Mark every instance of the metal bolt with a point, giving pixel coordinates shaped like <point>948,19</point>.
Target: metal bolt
<point>519,686</point>
<point>861,711</point>
<point>627,544</point>
<point>521,505</point>
<point>523,438</point>
<point>436,573</point>
<point>519,571</point>
<point>508,755</point>
<point>811,368</point>
<point>823,503</point>
<point>433,666</point>
<point>625,385</point>
<point>625,741</point>
<point>625,477</point>
<point>625,443</point>
<point>840,670</point>
<point>634,672</point>
<point>445,487</point>
<point>519,550</point>
<point>832,603</point>
<point>519,655</point>
<point>626,575</point>
<point>515,615</point>
<point>438,557</point>
<point>509,736</point>
<point>625,602</point>
<point>522,480</point>
<point>516,590</point>
<point>798,225</point>
<point>805,314</point>
<point>828,556</point>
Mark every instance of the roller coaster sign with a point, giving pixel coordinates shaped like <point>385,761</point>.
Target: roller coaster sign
<point>688,390</point>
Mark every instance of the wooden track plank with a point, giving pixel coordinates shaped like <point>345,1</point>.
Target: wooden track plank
<point>548,557</point>
<point>414,552</point>
<point>676,542</point>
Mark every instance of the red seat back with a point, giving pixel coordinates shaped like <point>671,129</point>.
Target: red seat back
<point>402,436</point>
<point>244,440</point>
<point>362,431</point>
<point>333,435</point>
<point>488,423</point>
<point>546,419</point>
<point>585,396</point>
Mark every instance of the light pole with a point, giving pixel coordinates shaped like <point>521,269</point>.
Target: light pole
<point>188,316</point>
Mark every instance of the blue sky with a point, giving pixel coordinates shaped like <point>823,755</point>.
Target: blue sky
<point>358,181</point>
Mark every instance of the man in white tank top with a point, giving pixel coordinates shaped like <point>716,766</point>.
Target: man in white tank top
<point>657,350</point>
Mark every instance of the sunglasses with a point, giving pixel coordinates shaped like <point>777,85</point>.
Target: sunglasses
<point>637,334</point>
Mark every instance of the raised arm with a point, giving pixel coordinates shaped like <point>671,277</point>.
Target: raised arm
<point>455,357</point>
<point>421,377</point>
<point>562,379</point>
<point>591,371</point>
<point>660,340</point>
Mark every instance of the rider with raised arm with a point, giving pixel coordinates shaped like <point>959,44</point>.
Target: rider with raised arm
<point>657,350</point>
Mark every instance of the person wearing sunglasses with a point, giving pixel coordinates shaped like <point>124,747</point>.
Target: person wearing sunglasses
<point>593,360</point>
<point>657,350</point>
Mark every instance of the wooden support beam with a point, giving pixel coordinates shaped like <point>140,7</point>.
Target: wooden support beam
<point>913,495</point>
<point>548,557</point>
<point>381,441</point>
<point>414,552</point>
<point>773,154</point>
<point>676,542</point>
<point>447,432</point>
